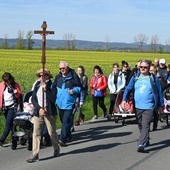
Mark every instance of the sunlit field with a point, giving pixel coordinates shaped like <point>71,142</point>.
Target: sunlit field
<point>22,64</point>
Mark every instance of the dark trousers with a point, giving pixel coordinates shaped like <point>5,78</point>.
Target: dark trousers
<point>66,119</point>
<point>100,101</point>
<point>144,118</point>
<point>112,103</point>
<point>9,116</point>
<point>155,118</point>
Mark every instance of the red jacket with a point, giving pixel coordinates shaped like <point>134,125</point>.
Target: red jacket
<point>2,88</point>
<point>99,82</point>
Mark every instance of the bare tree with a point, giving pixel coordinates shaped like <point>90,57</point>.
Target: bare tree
<point>20,40</point>
<point>5,44</point>
<point>69,41</point>
<point>107,43</point>
<point>140,40</point>
<point>154,43</point>
<point>30,42</point>
<point>167,43</point>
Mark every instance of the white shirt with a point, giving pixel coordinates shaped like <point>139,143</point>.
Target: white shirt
<point>39,96</point>
<point>8,97</point>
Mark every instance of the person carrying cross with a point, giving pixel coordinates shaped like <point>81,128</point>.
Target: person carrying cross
<point>46,113</point>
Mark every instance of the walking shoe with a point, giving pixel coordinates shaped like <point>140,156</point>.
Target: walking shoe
<point>62,144</point>
<point>76,123</point>
<point>95,117</point>
<point>72,129</point>
<point>146,144</point>
<point>108,116</point>
<point>33,159</point>
<point>141,148</point>
<point>57,152</point>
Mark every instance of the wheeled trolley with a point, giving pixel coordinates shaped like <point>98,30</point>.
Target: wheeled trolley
<point>119,113</point>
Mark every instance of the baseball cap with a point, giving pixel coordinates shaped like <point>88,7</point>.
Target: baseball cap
<point>162,61</point>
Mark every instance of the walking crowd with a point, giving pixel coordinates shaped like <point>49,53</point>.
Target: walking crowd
<point>146,83</point>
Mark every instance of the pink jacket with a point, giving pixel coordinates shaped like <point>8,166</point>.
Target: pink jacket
<point>2,88</point>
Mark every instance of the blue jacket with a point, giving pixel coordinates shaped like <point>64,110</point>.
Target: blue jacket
<point>62,85</point>
<point>156,88</point>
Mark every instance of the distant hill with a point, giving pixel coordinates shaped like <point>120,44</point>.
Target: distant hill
<point>83,45</point>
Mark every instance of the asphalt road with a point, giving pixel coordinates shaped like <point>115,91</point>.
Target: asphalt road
<point>98,145</point>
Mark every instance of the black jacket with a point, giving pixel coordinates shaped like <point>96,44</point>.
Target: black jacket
<point>50,99</point>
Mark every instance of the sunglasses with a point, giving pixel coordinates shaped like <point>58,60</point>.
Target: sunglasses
<point>62,68</point>
<point>145,67</point>
<point>42,75</point>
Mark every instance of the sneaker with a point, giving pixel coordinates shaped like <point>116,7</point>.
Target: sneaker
<point>95,117</point>
<point>33,159</point>
<point>62,144</point>
<point>72,129</point>
<point>141,148</point>
<point>76,123</point>
<point>108,116</point>
<point>146,144</point>
<point>57,152</point>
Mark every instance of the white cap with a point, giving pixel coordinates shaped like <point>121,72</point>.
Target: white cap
<point>162,61</point>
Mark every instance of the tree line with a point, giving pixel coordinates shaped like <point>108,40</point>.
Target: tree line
<point>140,41</point>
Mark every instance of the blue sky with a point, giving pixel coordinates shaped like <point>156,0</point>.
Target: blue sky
<point>92,20</point>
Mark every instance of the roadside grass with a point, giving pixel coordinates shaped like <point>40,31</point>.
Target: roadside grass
<point>22,64</point>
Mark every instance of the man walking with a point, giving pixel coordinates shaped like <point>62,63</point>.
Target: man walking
<point>147,95</point>
<point>68,86</point>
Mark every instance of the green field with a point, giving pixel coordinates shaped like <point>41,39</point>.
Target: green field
<point>22,64</point>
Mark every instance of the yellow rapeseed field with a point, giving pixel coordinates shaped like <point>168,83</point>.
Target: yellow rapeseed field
<point>22,64</point>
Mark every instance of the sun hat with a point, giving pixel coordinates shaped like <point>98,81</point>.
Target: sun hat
<point>162,61</point>
<point>46,71</point>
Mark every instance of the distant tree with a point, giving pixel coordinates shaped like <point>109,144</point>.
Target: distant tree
<point>140,40</point>
<point>161,50</point>
<point>154,43</point>
<point>20,40</point>
<point>30,42</point>
<point>167,43</point>
<point>107,43</point>
<point>69,41</point>
<point>5,44</point>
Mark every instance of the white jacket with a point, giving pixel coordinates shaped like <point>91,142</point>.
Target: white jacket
<point>121,81</point>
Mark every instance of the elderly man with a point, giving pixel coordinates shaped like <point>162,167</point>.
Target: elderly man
<point>147,96</point>
<point>44,111</point>
<point>68,86</point>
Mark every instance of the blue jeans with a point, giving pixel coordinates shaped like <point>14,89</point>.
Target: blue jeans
<point>9,116</point>
<point>65,117</point>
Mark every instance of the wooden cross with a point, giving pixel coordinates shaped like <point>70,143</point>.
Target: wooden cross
<point>43,33</point>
